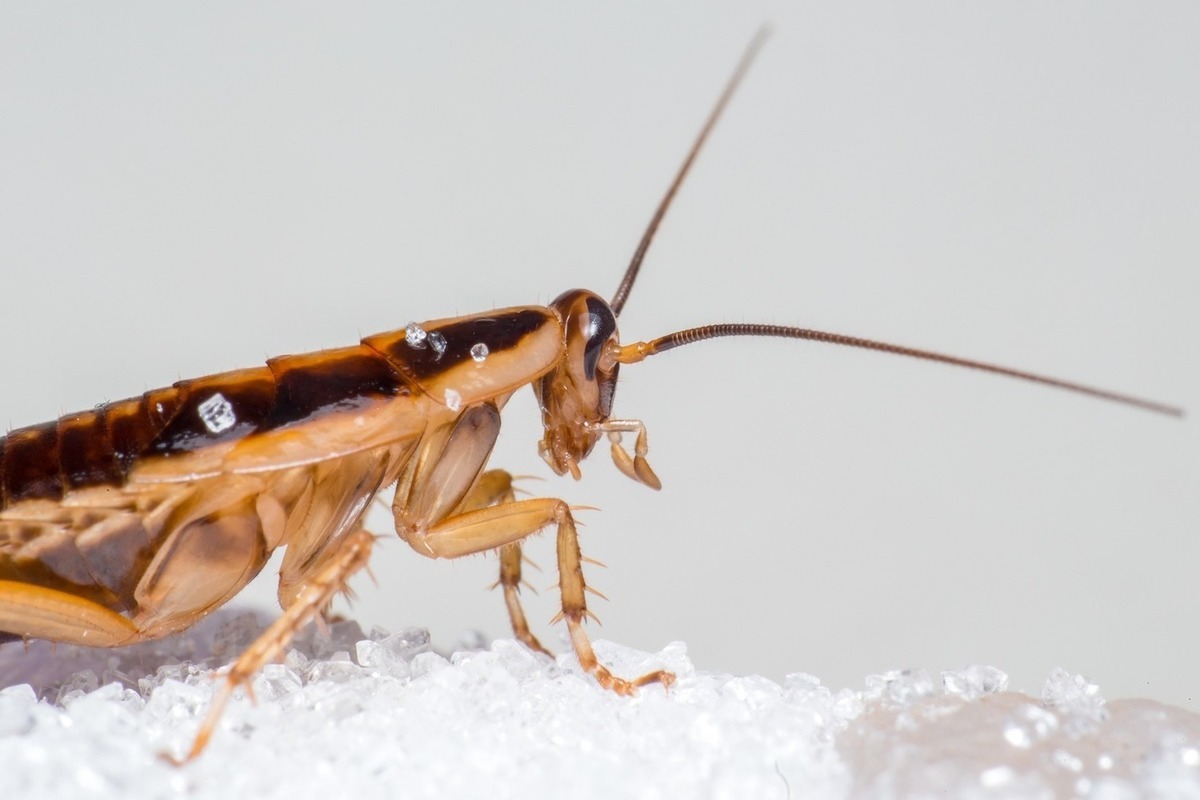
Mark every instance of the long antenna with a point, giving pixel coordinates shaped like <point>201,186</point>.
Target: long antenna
<point>632,353</point>
<point>631,272</point>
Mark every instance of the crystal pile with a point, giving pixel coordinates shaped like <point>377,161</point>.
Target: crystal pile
<point>348,714</point>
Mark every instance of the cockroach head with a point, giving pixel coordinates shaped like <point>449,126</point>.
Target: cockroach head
<point>577,395</point>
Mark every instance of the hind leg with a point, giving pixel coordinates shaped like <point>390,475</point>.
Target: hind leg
<point>310,600</point>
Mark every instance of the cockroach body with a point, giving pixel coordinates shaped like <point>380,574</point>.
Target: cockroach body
<point>133,520</point>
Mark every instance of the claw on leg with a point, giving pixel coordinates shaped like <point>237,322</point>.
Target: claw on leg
<point>603,676</point>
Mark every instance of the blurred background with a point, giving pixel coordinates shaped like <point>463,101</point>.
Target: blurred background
<point>187,189</point>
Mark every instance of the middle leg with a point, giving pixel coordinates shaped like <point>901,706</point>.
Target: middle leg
<point>495,487</point>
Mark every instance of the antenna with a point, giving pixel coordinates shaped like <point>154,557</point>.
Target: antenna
<point>631,272</point>
<point>633,353</point>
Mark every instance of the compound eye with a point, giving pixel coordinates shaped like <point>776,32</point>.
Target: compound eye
<point>601,326</point>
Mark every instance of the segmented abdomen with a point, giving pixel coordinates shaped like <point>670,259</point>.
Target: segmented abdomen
<point>99,447</point>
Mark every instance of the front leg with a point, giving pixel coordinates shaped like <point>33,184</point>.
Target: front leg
<point>436,509</point>
<point>506,524</point>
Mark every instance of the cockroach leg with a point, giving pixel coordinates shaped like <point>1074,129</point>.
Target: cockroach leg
<point>510,580</point>
<point>483,529</point>
<point>310,601</point>
<point>493,487</point>
<point>496,487</point>
<point>574,611</point>
<point>508,523</point>
<point>31,611</point>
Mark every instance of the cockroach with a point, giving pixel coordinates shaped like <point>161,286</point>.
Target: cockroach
<point>133,520</point>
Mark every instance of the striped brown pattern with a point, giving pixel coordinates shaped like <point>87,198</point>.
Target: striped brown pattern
<point>99,447</point>
<point>501,331</point>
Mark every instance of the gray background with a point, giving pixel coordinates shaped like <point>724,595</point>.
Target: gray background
<point>186,189</point>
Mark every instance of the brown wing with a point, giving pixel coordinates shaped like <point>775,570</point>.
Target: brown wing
<point>290,409</point>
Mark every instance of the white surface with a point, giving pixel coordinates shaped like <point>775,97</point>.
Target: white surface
<point>384,717</point>
<point>188,189</point>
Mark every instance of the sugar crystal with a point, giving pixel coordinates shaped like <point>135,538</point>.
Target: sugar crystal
<point>401,715</point>
<point>437,343</point>
<point>414,335</point>
<point>217,414</point>
<point>974,681</point>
